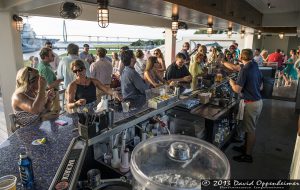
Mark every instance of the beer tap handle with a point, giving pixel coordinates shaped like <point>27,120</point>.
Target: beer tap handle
<point>116,139</point>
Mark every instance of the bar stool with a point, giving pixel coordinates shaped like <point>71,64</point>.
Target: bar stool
<point>13,125</point>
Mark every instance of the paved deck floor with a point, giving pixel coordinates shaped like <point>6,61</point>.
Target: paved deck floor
<point>276,136</point>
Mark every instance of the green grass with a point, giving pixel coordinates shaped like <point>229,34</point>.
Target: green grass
<point>110,46</point>
<point>109,52</point>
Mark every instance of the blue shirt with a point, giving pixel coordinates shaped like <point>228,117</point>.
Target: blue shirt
<point>250,79</point>
<point>132,84</point>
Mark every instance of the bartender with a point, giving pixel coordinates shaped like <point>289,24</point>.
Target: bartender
<point>249,84</point>
<point>177,72</point>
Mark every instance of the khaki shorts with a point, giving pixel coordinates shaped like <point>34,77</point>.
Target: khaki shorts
<point>251,115</point>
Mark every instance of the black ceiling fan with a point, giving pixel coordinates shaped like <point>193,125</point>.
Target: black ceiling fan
<point>70,10</point>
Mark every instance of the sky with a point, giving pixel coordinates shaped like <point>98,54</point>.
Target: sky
<point>54,27</point>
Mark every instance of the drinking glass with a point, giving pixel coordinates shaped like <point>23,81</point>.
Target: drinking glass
<point>125,106</point>
<point>8,182</point>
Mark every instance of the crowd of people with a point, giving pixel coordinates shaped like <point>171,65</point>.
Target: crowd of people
<point>87,78</point>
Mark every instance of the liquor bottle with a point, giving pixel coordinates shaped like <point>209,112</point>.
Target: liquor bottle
<point>26,171</point>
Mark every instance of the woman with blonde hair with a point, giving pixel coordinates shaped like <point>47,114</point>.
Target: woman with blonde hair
<point>30,99</point>
<point>202,49</point>
<point>195,68</point>
<point>161,66</point>
<point>150,74</point>
<point>213,59</point>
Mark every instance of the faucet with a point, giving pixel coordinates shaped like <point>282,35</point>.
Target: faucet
<point>123,136</point>
<point>116,158</point>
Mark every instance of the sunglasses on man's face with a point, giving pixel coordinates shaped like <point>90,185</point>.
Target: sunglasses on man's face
<point>77,70</point>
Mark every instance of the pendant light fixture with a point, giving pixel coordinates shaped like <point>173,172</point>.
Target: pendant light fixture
<point>243,32</point>
<point>103,13</point>
<point>281,35</point>
<point>175,17</point>
<point>174,24</point>
<point>209,25</point>
<point>229,32</point>
<point>209,29</point>
<point>19,22</point>
<point>259,35</point>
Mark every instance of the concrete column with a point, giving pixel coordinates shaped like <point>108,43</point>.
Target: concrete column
<point>249,38</point>
<point>170,47</point>
<point>11,60</point>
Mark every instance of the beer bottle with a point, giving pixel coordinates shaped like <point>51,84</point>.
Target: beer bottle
<point>26,171</point>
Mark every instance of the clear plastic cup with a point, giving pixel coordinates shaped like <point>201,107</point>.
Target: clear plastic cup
<point>125,106</point>
<point>8,182</point>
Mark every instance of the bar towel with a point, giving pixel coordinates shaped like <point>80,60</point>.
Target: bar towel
<point>240,114</point>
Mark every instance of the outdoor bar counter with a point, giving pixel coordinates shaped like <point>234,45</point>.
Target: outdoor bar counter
<point>47,157</point>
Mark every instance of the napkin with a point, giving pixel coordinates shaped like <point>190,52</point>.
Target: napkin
<point>103,105</point>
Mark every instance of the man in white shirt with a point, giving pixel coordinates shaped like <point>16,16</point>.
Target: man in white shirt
<point>64,68</point>
<point>84,55</point>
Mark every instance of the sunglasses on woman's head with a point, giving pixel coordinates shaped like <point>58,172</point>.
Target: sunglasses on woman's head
<point>31,79</point>
<point>77,70</point>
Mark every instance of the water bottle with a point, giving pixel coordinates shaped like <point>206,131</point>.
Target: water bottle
<point>26,171</point>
